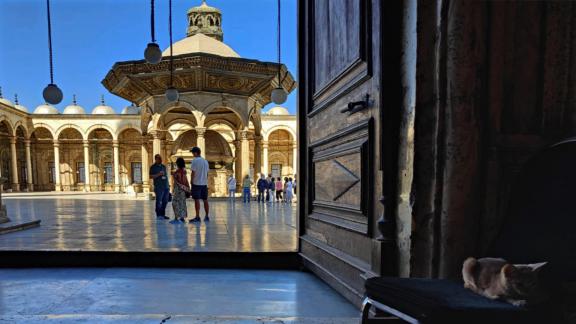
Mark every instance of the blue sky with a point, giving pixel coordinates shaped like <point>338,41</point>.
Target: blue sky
<point>90,35</point>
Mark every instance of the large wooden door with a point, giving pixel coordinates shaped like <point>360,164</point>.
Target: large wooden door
<point>340,113</point>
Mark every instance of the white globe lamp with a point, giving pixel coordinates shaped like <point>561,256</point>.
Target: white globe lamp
<point>172,94</point>
<point>152,53</point>
<point>52,94</point>
<point>279,96</point>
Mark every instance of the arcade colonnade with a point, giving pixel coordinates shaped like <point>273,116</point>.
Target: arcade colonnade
<point>109,152</point>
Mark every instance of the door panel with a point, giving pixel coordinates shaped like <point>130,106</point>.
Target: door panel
<point>338,67</point>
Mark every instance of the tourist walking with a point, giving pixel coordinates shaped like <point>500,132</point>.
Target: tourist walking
<point>279,188</point>
<point>285,189</point>
<point>262,186</point>
<point>289,191</point>
<point>181,192</point>
<point>161,186</point>
<point>246,184</point>
<point>199,167</point>
<point>271,189</point>
<point>231,188</point>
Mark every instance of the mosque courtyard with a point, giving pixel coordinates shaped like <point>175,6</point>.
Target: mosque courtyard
<point>116,223</point>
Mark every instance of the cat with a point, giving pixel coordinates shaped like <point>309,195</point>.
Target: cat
<point>495,278</point>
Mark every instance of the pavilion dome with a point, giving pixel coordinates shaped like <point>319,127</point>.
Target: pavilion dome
<point>278,111</point>
<point>46,109</point>
<point>200,43</point>
<point>74,109</point>
<point>131,110</point>
<point>103,109</point>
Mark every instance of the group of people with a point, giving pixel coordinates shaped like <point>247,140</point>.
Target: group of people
<point>269,189</point>
<point>198,190</point>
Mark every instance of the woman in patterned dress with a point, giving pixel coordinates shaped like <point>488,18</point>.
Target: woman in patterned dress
<point>181,192</point>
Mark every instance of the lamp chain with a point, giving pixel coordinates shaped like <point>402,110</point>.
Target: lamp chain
<point>170,31</point>
<point>50,42</point>
<point>152,29</point>
<point>279,48</point>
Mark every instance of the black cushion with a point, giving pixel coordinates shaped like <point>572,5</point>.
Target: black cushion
<point>444,301</point>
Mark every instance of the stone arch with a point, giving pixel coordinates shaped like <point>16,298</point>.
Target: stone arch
<point>73,133</point>
<point>41,132</point>
<point>218,104</point>
<point>20,124</point>
<point>126,128</point>
<point>62,128</point>
<point>280,127</point>
<point>214,111</point>
<point>9,128</point>
<point>46,127</point>
<point>160,121</point>
<point>93,128</point>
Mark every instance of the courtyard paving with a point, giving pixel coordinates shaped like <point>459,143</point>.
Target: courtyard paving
<point>115,222</point>
<point>150,295</point>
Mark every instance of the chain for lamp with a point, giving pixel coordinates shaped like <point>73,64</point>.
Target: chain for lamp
<point>50,41</point>
<point>152,29</point>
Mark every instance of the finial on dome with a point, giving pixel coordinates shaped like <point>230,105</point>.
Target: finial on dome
<point>16,98</point>
<point>0,92</point>
<point>102,100</point>
<point>204,3</point>
<point>74,100</point>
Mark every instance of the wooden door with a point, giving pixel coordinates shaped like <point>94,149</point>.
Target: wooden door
<point>339,110</point>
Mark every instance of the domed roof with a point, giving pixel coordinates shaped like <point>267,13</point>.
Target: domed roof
<point>18,106</point>
<point>200,43</point>
<point>131,110</point>
<point>204,7</point>
<point>103,109</point>
<point>46,109</point>
<point>74,109</point>
<point>5,101</point>
<point>278,111</point>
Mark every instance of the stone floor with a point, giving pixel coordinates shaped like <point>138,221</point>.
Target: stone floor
<point>114,222</point>
<point>151,295</point>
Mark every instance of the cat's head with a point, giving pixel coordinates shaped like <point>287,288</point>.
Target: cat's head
<point>522,278</point>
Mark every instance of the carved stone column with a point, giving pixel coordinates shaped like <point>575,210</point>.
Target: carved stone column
<point>14,156</point>
<point>201,140</point>
<point>238,164</point>
<point>145,167</point>
<point>86,145</point>
<point>29,180</point>
<point>294,158</point>
<point>245,153</point>
<point>265,166</point>
<point>116,146</point>
<point>258,155</point>
<point>57,185</point>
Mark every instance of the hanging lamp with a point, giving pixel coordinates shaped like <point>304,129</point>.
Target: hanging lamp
<point>278,94</point>
<point>52,94</point>
<point>152,53</point>
<point>171,92</point>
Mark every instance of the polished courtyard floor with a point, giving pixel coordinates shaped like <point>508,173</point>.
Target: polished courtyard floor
<point>149,295</point>
<point>115,222</point>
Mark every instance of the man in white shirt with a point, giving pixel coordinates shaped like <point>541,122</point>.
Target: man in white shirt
<point>231,188</point>
<point>200,169</point>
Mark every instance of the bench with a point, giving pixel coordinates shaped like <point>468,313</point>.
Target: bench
<point>540,226</point>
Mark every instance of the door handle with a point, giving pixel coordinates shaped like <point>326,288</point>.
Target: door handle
<point>356,106</point>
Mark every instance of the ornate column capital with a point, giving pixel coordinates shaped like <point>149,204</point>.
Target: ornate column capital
<point>265,144</point>
<point>200,131</point>
<point>243,134</point>
<point>27,142</point>
<point>13,139</point>
<point>85,143</point>
<point>56,143</point>
<point>115,143</point>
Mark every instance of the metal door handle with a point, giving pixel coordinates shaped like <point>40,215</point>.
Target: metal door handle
<point>356,106</point>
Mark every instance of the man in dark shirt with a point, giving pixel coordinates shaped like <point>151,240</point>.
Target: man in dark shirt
<point>161,186</point>
<point>262,186</point>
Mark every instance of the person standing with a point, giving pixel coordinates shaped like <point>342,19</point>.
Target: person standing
<point>285,189</point>
<point>231,188</point>
<point>246,184</point>
<point>199,167</point>
<point>181,192</point>
<point>262,186</point>
<point>161,186</point>
<point>271,189</point>
<point>278,189</point>
<point>289,191</point>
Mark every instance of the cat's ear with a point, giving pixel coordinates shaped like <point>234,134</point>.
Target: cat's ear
<point>508,270</point>
<point>537,266</point>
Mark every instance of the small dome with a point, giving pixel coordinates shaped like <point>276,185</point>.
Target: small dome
<point>278,111</point>
<point>131,110</point>
<point>204,7</point>
<point>46,109</point>
<point>200,43</point>
<point>74,109</point>
<point>5,101</point>
<point>103,109</point>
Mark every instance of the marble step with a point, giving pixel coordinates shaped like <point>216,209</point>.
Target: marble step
<point>18,226</point>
